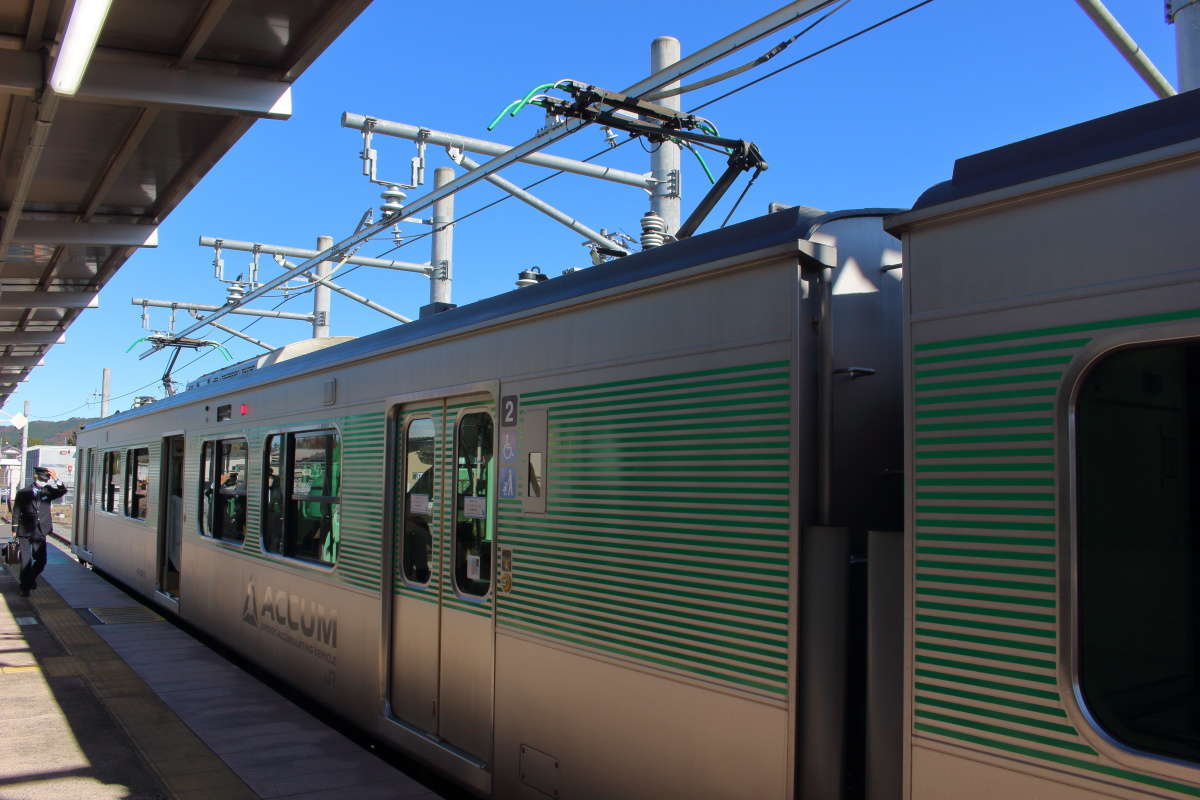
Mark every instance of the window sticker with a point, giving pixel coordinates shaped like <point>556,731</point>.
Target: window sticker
<point>472,567</point>
<point>418,504</point>
<point>508,446</point>
<point>508,482</point>
<point>474,507</point>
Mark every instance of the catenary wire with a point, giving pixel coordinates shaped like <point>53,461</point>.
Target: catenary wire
<point>555,174</point>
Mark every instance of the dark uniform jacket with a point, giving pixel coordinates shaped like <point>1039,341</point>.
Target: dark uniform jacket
<point>31,510</point>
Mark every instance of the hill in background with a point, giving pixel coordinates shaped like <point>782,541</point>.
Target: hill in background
<point>45,432</point>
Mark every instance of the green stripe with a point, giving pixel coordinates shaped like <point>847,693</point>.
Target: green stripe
<point>985,482</point>
<point>998,554</point>
<point>1032,497</point>
<point>1022,467</point>
<point>1033,572</point>
<point>1017,586</point>
<point>707,499</point>
<point>984,525</point>
<point>718,416</point>
<point>1008,452</point>
<point>1037,708</point>
<point>999,380</point>
<point>1018,719</point>
<point>990,641</point>
<point>528,397</point>
<point>687,661</point>
<point>1063,344</point>
<point>1034,602</point>
<point>981,683</point>
<point>663,451</point>
<point>986,626</point>
<point>649,511</point>
<point>970,652</point>
<point>770,427</point>
<point>1005,731</point>
<point>1032,422</point>
<point>995,437</point>
<point>958,608</point>
<point>775,636</point>
<point>661,632</point>
<point>770,393</point>
<point>551,523</point>
<point>1015,541</point>
<point>1024,363</point>
<point>1083,327</point>
<point>1016,408</point>
<point>637,594</point>
<point>628,550</point>
<point>665,580</point>
<point>986,669</point>
<point>1011,511</point>
<point>745,382</point>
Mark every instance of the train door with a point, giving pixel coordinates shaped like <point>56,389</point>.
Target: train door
<point>83,498</point>
<point>170,521</point>
<point>442,644</point>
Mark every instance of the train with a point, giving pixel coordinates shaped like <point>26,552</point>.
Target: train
<point>874,503</point>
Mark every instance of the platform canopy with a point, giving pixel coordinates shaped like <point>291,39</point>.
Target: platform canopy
<point>86,177</point>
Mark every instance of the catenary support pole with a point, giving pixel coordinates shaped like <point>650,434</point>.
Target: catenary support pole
<point>441,256</point>
<point>1128,48</point>
<point>24,443</point>
<point>664,161</point>
<point>321,294</point>
<point>105,381</point>
<point>1185,15</point>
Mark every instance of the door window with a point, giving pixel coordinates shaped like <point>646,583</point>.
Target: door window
<point>419,491</point>
<point>473,525</point>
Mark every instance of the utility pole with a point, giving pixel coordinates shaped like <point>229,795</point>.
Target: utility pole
<point>104,382</point>
<point>24,441</point>
<point>1185,16</point>
<point>664,161</point>
<point>442,251</point>
<point>321,292</point>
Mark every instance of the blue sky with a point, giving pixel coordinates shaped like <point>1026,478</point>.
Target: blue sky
<point>871,123</point>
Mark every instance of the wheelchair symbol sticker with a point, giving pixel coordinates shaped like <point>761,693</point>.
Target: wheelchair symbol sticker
<point>508,446</point>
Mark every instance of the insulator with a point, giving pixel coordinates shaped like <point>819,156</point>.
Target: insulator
<point>393,200</point>
<point>235,292</point>
<point>531,276</point>
<point>654,230</point>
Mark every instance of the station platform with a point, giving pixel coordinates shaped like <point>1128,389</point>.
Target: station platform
<point>102,699</point>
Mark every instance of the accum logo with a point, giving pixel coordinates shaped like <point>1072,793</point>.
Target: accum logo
<point>290,612</point>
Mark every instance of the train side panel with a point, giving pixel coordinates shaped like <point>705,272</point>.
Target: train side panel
<point>1051,407</point>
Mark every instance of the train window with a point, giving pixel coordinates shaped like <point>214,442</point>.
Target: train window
<point>301,495</point>
<point>137,482</point>
<point>418,498</point>
<point>473,522</point>
<point>223,478</point>
<point>1137,462</point>
<point>110,485</point>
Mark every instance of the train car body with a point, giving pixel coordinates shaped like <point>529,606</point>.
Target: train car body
<point>1052,396</point>
<point>551,543</point>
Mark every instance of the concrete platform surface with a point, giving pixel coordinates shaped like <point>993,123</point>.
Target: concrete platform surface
<point>139,710</point>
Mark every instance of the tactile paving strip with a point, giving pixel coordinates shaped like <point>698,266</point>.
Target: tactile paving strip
<point>124,615</point>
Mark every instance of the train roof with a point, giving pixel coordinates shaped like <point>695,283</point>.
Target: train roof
<point>791,224</point>
<point>1137,130</point>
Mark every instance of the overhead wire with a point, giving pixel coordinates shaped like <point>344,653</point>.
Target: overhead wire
<point>812,55</point>
<point>691,87</point>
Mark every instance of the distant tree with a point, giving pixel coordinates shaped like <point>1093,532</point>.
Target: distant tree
<point>34,441</point>
<point>71,438</point>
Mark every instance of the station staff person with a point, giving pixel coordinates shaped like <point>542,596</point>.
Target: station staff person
<point>32,523</point>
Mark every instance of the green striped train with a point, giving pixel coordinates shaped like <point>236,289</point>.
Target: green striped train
<point>741,516</point>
